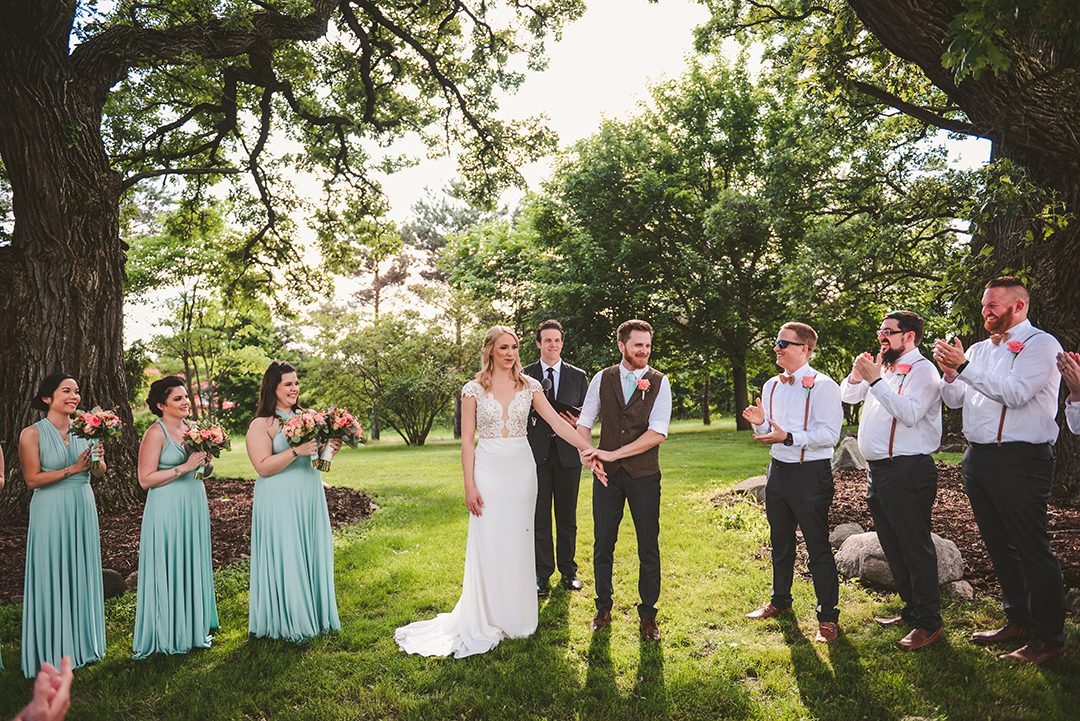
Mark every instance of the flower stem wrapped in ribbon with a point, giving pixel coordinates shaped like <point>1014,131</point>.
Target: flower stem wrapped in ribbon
<point>207,437</point>
<point>96,425</point>
<point>337,423</point>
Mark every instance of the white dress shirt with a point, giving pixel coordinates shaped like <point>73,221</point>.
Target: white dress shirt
<point>1072,415</point>
<point>555,379</point>
<point>1026,383</point>
<point>913,401</point>
<point>659,417</point>
<point>785,404</point>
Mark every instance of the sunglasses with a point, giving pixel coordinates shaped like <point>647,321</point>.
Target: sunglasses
<point>885,332</point>
<point>782,344</point>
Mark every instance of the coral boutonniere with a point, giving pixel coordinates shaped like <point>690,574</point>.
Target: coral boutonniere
<point>643,386</point>
<point>808,383</point>
<point>1015,346</point>
<point>903,369</point>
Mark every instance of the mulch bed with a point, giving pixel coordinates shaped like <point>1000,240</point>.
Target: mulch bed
<point>230,525</point>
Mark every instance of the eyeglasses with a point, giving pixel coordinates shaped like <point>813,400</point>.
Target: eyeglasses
<point>782,344</point>
<point>885,332</point>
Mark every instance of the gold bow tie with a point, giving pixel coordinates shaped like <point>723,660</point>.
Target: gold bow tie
<point>996,338</point>
<point>787,379</point>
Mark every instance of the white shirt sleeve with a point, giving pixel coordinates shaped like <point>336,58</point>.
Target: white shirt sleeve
<point>590,409</point>
<point>660,417</point>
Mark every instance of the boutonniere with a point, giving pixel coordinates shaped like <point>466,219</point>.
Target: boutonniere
<point>808,383</point>
<point>903,369</point>
<point>643,386</point>
<point>1015,346</point>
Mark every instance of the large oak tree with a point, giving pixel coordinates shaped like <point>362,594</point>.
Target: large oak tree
<point>96,97</point>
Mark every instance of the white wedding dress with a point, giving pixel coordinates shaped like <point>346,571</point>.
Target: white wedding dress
<point>498,592</point>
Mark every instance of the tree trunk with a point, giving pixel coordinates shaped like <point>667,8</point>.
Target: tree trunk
<point>457,418</point>
<point>706,402</point>
<point>742,397</point>
<point>62,274</point>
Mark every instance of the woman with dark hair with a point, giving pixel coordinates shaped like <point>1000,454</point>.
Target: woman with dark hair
<point>292,549</point>
<point>176,607</point>
<point>63,602</point>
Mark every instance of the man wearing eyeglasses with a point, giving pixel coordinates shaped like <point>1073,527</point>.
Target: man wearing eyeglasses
<point>1008,387</point>
<point>900,427</point>
<point>800,420</point>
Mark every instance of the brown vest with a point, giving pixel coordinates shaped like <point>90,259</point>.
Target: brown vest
<point>620,425</point>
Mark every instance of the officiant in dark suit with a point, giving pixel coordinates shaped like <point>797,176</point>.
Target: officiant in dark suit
<point>558,466</point>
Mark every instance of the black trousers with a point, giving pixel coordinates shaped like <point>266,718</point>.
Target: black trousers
<point>1009,486</point>
<point>901,497</point>
<point>643,497</point>
<point>558,485</point>
<point>799,495</point>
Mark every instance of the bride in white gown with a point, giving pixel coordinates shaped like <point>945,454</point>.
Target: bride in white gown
<point>498,592</point>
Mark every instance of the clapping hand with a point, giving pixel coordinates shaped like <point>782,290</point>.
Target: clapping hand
<point>949,357</point>
<point>1069,365</point>
<point>52,693</point>
<point>866,368</point>
<point>776,435</point>
<point>755,413</point>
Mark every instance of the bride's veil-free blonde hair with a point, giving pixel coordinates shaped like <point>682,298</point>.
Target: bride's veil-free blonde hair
<point>487,365</point>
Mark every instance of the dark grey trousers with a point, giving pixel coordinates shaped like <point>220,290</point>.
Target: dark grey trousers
<point>1009,486</point>
<point>901,497</point>
<point>799,495</point>
<point>558,485</point>
<point>643,497</point>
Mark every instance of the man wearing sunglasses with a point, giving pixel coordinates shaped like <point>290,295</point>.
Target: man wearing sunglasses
<point>899,428</point>
<point>1008,387</point>
<point>800,420</point>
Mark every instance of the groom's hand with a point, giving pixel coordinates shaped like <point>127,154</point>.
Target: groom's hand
<point>776,435</point>
<point>598,469</point>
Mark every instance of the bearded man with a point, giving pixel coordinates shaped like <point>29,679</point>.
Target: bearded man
<point>1008,388</point>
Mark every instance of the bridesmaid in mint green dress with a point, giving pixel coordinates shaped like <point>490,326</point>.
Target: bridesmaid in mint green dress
<point>176,608</point>
<point>63,602</point>
<point>292,549</point>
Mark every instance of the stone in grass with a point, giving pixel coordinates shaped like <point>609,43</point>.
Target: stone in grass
<point>861,557</point>
<point>959,591</point>
<point>112,583</point>
<point>132,581</point>
<point>1072,600</point>
<point>843,532</point>
<point>753,486</point>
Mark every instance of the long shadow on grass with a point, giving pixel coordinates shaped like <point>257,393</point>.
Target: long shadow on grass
<point>650,688</point>
<point>842,692</point>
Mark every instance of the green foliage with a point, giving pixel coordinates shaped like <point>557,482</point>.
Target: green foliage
<point>141,420</point>
<point>136,361</point>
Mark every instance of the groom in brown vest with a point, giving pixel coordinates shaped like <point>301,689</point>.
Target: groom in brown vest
<point>633,402</point>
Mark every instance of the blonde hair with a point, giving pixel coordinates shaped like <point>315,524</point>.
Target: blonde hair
<point>487,367</point>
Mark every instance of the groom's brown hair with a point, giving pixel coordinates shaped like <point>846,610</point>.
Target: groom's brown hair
<point>630,326</point>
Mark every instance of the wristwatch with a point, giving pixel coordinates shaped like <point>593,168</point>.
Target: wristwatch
<point>177,471</point>
<point>789,441</point>
<point>67,474</point>
<point>295,454</point>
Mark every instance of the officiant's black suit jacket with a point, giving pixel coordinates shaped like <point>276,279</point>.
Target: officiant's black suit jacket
<point>573,384</point>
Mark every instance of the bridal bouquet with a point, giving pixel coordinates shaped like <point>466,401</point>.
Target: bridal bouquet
<point>303,427</point>
<point>207,437</point>
<point>96,425</point>
<point>338,423</point>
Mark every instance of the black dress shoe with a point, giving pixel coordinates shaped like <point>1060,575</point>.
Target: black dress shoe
<point>571,583</point>
<point>542,587</point>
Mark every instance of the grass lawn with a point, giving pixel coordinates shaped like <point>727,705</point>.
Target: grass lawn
<point>405,564</point>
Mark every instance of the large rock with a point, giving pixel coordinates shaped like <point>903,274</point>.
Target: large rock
<point>848,457</point>
<point>959,591</point>
<point>132,581</point>
<point>843,532</point>
<point>112,583</point>
<point>861,557</point>
<point>753,486</point>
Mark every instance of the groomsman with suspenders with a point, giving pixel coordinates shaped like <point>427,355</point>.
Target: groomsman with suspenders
<point>1008,388</point>
<point>801,421</point>
<point>899,428</point>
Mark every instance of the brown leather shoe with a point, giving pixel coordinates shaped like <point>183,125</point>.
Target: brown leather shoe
<point>601,620</point>
<point>919,639</point>
<point>649,630</point>
<point>827,632</point>
<point>1036,652</point>
<point>767,611</point>
<point>889,622</point>
<point>1009,632</point>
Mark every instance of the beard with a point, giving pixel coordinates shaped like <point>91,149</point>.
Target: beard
<point>1000,324</point>
<point>634,363</point>
<point>890,356</point>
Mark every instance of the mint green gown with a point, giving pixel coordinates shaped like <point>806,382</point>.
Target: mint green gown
<point>63,602</point>
<point>176,607</point>
<point>292,554</point>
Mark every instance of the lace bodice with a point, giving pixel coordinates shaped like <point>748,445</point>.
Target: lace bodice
<point>489,412</point>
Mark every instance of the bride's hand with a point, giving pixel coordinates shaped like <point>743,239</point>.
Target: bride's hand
<point>597,467</point>
<point>473,501</point>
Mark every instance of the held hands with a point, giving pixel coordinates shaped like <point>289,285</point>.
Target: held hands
<point>473,501</point>
<point>949,357</point>
<point>1069,365</point>
<point>755,413</point>
<point>866,368</point>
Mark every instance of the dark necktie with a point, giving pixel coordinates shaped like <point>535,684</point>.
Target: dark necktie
<point>551,384</point>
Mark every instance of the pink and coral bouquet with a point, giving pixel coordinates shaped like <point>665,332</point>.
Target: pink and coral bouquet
<point>97,425</point>
<point>207,437</point>
<point>338,423</point>
<point>303,427</point>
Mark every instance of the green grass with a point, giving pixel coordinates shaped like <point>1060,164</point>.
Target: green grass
<point>404,564</point>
